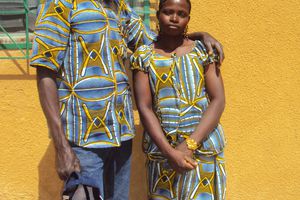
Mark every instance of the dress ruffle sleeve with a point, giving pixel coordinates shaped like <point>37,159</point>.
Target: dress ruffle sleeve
<point>141,59</point>
<point>204,56</point>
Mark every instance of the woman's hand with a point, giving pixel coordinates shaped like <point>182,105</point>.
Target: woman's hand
<point>184,149</point>
<point>181,160</point>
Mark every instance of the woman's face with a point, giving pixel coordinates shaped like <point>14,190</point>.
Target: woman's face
<point>173,17</point>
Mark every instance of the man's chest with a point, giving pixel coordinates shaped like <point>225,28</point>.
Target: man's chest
<point>89,17</point>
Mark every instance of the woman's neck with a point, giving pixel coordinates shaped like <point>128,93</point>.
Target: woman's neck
<point>169,43</point>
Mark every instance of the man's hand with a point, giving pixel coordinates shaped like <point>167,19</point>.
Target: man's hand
<point>66,162</point>
<point>210,43</point>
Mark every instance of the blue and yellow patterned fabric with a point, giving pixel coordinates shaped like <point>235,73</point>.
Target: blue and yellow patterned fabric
<point>85,42</point>
<point>179,100</point>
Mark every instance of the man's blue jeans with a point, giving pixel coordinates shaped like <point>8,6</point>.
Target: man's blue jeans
<point>107,169</point>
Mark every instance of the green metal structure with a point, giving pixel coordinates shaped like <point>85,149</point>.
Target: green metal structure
<point>20,8</point>
<point>142,7</point>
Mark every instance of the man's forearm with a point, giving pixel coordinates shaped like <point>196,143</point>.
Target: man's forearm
<point>50,104</point>
<point>196,35</point>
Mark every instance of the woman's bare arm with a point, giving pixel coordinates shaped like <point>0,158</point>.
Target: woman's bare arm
<point>215,90</point>
<point>178,160</point>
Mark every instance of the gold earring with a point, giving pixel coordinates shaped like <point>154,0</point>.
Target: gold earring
<point>157,28</point>
<point>185,33</point>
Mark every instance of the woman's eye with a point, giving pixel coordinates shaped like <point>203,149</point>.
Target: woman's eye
<point>167,12</point>
<point>182,14</point>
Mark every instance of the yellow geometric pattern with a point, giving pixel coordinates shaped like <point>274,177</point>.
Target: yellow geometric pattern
<point>85,43</point>
<point>179,101</point>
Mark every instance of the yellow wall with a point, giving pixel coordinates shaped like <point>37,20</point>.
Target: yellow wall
<point>261,120</point>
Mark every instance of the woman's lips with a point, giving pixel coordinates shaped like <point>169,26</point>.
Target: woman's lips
<point>173,27</point>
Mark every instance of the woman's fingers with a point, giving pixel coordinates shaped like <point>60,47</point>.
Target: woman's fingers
<point>191,162</point>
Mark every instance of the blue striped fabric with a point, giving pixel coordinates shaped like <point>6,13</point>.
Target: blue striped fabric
<point>179,101</point>
<point>180,98</point>
<point>85,42</point>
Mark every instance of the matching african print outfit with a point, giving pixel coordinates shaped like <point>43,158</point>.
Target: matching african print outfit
<point>85,42</point>
<point>179,101</point>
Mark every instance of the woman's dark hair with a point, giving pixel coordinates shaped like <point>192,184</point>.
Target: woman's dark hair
<point>161,3</point>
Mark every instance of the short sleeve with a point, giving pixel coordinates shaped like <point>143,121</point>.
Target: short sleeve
<point>136,32</point>
<point>203,54</point>
<point>141,59</point>
<point>52,30</point>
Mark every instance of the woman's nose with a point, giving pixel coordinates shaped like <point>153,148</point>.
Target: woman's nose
<point>174,18</point>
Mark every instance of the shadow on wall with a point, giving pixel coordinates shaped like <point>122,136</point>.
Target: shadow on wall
<point>50,185</point>
<point>19,67</point>
<point>138,187</point>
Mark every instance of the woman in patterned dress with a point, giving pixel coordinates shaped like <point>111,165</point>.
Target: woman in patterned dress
<point>180,98</point>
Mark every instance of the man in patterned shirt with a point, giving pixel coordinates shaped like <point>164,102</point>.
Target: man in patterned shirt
<point>79,52</point>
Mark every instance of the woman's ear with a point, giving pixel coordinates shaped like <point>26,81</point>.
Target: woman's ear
<point>157,14</point>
